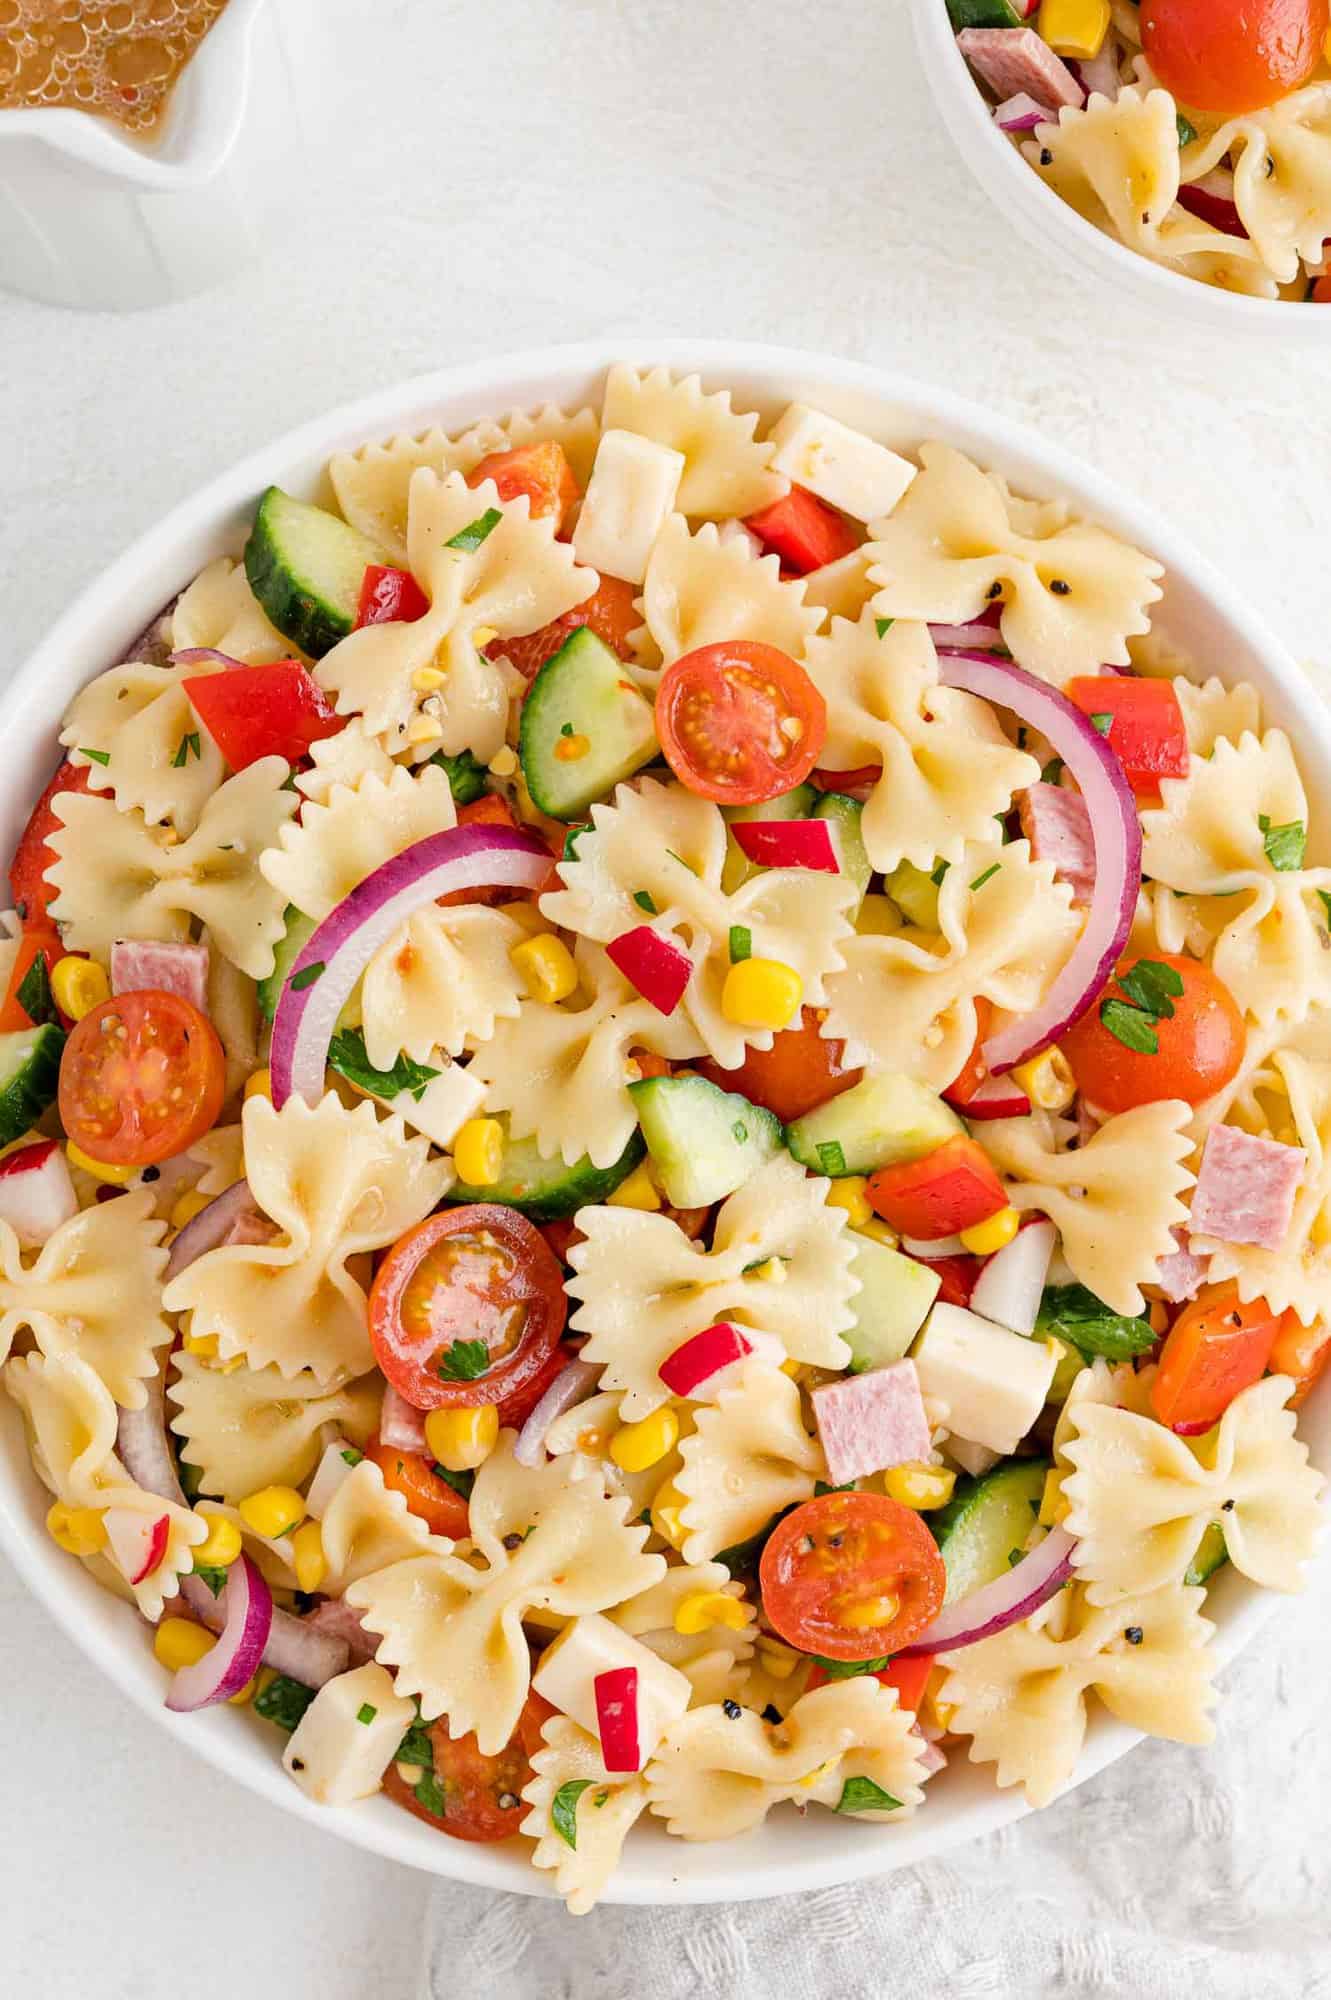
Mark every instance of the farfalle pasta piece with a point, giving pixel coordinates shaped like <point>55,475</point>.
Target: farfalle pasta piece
<point>1140,1499</point>
<point>703,587</point>
<point>780,1260</point>
<point>453,1628</point>
<point>136,733</point>
<point>336,1183</point>
<point>960,533</point>
<point>221,1154</point>
<point>1006,928</point>
<point>512,580</point>
<point>116,877</point>
<point>848,1746</point>
<point>247,1428</point>
<point>365,1527</point>
<point>232,1005</point>
<point>605,1809</point>
<point>94,1290</point>
<point>726,472</point>
<point>749,1458</point>
<point>344,759</point>
<point>1211,710</point>
<point>669,844</point>
<point>1115,1201</point>
<point>219,611</point>
<point>560,1072</point>
<point>1021,1695</point>
<point>1281,156</point>
<point>589,1426</point>
<point>947,768</point>
<point>713,1661</point>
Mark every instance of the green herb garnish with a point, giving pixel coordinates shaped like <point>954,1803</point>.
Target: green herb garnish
<point>214,1578</point>
<point>415,1747</point>
<point>283,1701</point>
<point>863,1795</point>
<point>832,1158</point>
<point>466,778</point>
<point>1073,1314</point>
<point>564,1809</point>
<point>366,1712</point>
<point>95,756</point>
<point>461,1482</point>
<point>882,626</point>
<point>1283,845</point>
<point>1187,131</point>
<point>1130,1026</point>
<point>430,1793</point>
<point>1153,987</point>
<point>939,872</point>
<point>644,902</point>
<point>188,747</point>
<point>980,880</point>
<point>464,1361</point>
<point>34,993</point>
<point>351,1456</point>
<point>346,1054</point>
<point>1102,723</point>
<point>469,539</point>
<point>741,943</point>
<point>307,976</point>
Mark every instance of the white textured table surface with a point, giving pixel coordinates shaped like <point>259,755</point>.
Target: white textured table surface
<point>538,170</point>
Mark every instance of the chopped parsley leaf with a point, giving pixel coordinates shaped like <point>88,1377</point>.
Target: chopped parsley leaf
<point>469,539</point>
<point>306,976</point>
<point>214,1578</point>
<point>741,943</point>
<point>464,1361</point>
<point>1283,845</point>
<point>863,1795</point>
<point>283,1701</point>
<point>1130,1026</point>
<point>366,1712</point>
<point>430,1793</point>
<point>461,1482</point>
<point>346,1054</point>
<point>34,993</point>
<point>95,756</point>
<point>1073,1314</point>
<point>1102,723</point>
<point>351,1456</point>
<point>643,899</point>
<point>882,626</point>
<point>564,1809</point>
<point>1153,987</point>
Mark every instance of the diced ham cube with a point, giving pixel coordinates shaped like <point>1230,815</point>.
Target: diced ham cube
<point>1245,1190</point>
<point>870,1422</point>
<point>1015,59</point>
<point>1182,1274</point>
<point>335,1617</point>
<point>141,965</point>
<point>1058,826</point>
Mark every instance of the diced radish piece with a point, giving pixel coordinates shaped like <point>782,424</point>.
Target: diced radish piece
<point>787,843</point>
<point>36,1192</point>
<point>997,1097</point>
<point>618,1719</point>
<point>401,1425</point>
<point>137,1542</point>
<point>694,1370</point>
<point>657,967</point>
<point>141,965</point>
<point>339,1460</point>
<point>1011,1285</point>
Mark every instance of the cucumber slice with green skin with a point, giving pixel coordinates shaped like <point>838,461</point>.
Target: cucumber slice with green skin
<point>705,1142</point>
<point>984,14</point>
<point>845,815</point>
<point>915,895</point>
<point>544,1188</point>
<point>986,1522</point>
<point>583,692</point>
<point>466,778</point>
<point>881,1122</point>
<point>29,1077</point>
<point>1208,1556</point>
<point>306,567</point>
<point>299,930</point>
<point>738,868</point>
<point>891,1305</point>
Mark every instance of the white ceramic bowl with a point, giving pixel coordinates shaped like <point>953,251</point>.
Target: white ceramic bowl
<point>1203,614</point>
<point>1054,227</point>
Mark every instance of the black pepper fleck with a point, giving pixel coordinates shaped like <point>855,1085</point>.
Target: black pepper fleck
<point>733,1710</point>
<point>1046,157</point>
<point>1060,588</point>
<point>514,1541</point>
<point>1133,1634</point>
<point>298,1763</point>
<point>994,592</point>
<point>771,1713</point>
<point>1228,1507</point>
<point>151,1174</point>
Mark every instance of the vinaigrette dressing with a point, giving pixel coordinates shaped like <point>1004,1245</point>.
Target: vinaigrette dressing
<point>120,59</point>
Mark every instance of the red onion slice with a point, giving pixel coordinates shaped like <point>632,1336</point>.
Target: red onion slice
<point>144,1449</point>
<point>572,1385</point>
<point>324,975</point>
<point>199,656</point>
<point>209,1227</point>
<point>247,1611</point>
<point>1021,113</point>
<point>1211,199</point>
<point>1004,1602</point>
<point>1115,831</point>
<point>293,1646</point>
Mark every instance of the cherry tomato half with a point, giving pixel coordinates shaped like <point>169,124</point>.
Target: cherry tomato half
<point>1198,1047</point>
<point>142,1077</point>
<point>851,1576</point>
<point>739,722</point>
<point>1215,1348</point>
<point>469,1795</point>
<point>432,1499</point>
<point>610,612</point>
<point>32,857</point>
<point>466,1307</point>
<point>541,471</point>
<point>800,1071</point>
<point>1233,55</point>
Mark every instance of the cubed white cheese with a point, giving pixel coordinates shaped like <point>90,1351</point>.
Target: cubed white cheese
<point>993,1382</point>
<point>444,1106</point>
<point>345,1740</point>
<point>976,1459</point>
<point>629,498</point>
<point>590,1646</point>
<point>842,466</point>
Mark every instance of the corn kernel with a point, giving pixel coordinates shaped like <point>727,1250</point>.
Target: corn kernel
<point>792,1367</point>
<point>638,1190</point>
<point>547,967</point>
<point>272,1511</point>
<point>636,1446</point>
<point>462,1439</point>
<point>260,1084</point>
<point>188,1205</point>
<point>1053,1506</point>
<point>919,1486</point>
<point>244,1695</point>
<point>1075,27</point>
<point>761,993</point>
<point>1320,1232</point>
<point>702,1609</point>
<point>992,1234</point>
<point>484,635</point>
<point>811,1778</point>
<point>877,1231</point>
<point>850,1195</point>
<point>307,1555</point>
<point>78,985</point>
<point>101,1170</point>
<point>772,1271</point>
<point>426,679</point>
<point>478,1152</point>
<point>668,1505</point>
<point>778,1660</point>
<point>179,1642</point>
<point>223,1545</point>
<point>527,915</point>
<point>425,729</point>
<point>504,762</point>
<point>1047,1081</point>
<point>571,749</point>
<point>79,1531</point>
<point>870,1612</point>
<point>203,1346</point>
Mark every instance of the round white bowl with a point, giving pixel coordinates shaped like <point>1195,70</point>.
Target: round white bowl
<point>1054,227</point>
<point>1203,614</point>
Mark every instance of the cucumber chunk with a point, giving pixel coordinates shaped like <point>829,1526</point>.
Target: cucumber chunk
<point>986,1522</point>
<point>299,930</point>
<point>1208,1556</point>
<point>705,1142</point>
<point>582,695</point>
<point>984,14</point>
<point>915,894</point>
<point>306,568</point>
<point>29,1077</point>
<point>891,1305</point>
<point>542,1187</point>
<point>882,1121</point>
<point>845,815</point>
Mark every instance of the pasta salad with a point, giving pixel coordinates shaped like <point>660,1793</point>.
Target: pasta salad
<point>665,1089</point>
<point>1195,132</point>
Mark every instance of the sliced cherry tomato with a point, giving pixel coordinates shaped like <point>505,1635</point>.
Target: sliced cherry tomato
<point>833,1565</point>
<point>1320,294</point>
<point>34,944</point>
<point>32,857</point>
<point>739,722</point>
<point>1301,1352</point>
<point>804,531</point>
<point>957,1275</point>
<point>1144,727</point>
<point>541,471</point>
<point>1228,56</point>
<point>432,1499</point>
<point>908,1677</point>
<point>1215,1348</point>
<point>467,1794</point>
<point>390,596</point>
<point>142,1077</point>
<point>856,784</point>
<point>951,1189</point>
<point>466,1307</point>
<point>518,1406</point>
<point>561,1235</point>
<point>974,1072</point>
<point>1198,1047</point>
<point>609,612</point>
<point>253,712</point>
<point>493,810</point>
<point>800,1071</point>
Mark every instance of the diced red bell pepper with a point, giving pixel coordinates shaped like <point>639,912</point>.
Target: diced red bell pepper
<point>34,944</point>
<point>1216,1348</point>
<point>909,1677</point>
<point>1144,729</point>
<point>974,1072</point>
<point>32,857</point>
<point>1321,292</point>
<point>253,712</point>
<point>951,1189</point>
<point>856,784</point>
<point>390,596</point>
<point>609,612</point>
<point>804,531</point>
<point>957,1277</point>
<point>541,471</point>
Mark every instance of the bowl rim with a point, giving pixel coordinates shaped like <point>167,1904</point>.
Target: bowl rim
<point>122,599</point>
<point>1045,218</point>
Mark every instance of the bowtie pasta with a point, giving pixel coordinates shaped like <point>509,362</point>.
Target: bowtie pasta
<point>667,1095</point>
